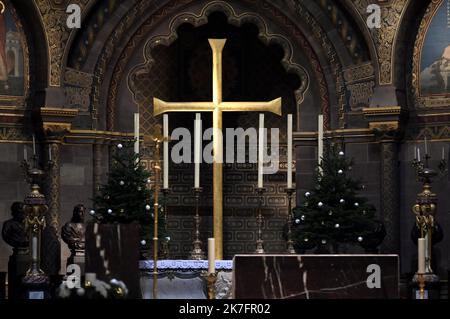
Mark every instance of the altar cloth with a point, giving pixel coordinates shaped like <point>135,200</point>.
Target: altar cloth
<point>183,279</point>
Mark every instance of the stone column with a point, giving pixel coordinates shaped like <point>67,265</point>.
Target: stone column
<point>51,246</point>
<point>385,123</point>
<point>56,124</point>
<point>390,196</point>
<point>97,171</point>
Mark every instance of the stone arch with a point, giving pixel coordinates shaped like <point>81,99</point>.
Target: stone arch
<point>264,34</point>
<point>134,28</point>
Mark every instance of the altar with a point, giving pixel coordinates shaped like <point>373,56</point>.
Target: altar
<point>277,276</point>
<point>183,279</point>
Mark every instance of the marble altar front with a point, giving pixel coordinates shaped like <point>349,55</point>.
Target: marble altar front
<point>315,276</point>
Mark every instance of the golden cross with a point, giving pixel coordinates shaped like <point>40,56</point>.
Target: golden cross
<point>217,106</point>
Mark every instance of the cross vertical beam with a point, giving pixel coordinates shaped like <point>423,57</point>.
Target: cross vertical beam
<point>217,106</point>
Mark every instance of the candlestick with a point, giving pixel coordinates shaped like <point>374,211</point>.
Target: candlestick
<point>136,133</point>
<point>320,139</point>
<point>259,220</point>
<point>289,151</point>
<point>211,256</point>
<point>197,251</point>
<point>197,149</point>
<point>34,145</point>
<point>261,151</point>
<point>421,255</point>
<point>166,150</point>
<point>290,242</point>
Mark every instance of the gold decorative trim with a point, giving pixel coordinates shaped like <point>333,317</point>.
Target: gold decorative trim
<point>384,110</point>
<point>384,126</point>
<point>52,111</point>
<point>384,38</point>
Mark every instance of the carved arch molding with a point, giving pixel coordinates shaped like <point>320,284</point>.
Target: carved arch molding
<point>266,35</point>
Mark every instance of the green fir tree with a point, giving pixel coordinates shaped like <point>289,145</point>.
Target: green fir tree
<point>127,197</point>
<point>333,214</point>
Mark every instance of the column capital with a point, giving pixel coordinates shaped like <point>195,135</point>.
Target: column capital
<point>57,122</point>
<point>385,121</point>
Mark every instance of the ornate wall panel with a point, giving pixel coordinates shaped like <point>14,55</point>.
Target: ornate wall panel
<point>385,37</point>
<point>54,19</point>
<point>360,81</point>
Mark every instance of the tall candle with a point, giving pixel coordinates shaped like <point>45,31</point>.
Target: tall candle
<point>197,149</point>
<point>415,152</point>
<point>211,256</point>
<point>34,247</point>
<point>49,152</point>
<point>320,139</point>
<point>261,151</point>
<point>443,153</point>
<point>289,151</point>
<point>25,153</point>
<point>418,154</point>
<point>136,133</point>
<point>426,146</point>
<point>421,255</point>
<point>166,150</point>
<point>34,145</point>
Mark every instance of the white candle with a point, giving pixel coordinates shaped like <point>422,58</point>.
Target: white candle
<point>49,152</point>
<point>426,146</point>
<point>443,153</point>
<point>421,255</point>
<point>261,151</point>
<point>25,153</point>
<point>289,151</point>
<point>34,247</point>
<point>136,133</point>
<point>415,153</point>
<point>166,150</point>
<point>197,149</point>
<point>320,139</point>
<point>418,154</point>
<point>34,145</point>
<point>211,256</point>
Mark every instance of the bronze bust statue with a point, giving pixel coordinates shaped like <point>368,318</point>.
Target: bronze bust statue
<point>13,231</point>
<point>73,232</point>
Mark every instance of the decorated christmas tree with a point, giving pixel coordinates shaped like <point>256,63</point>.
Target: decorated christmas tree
<point>333,213</point>
<point>127,197</point>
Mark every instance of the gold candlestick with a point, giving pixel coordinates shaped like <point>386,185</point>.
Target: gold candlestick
<point>290,242</point>
<point>259,220</point>
<point>197,252</point>
<point>421,280</point>
<point>211,279</point>
<point>165,243</point>
<point>157,138</point>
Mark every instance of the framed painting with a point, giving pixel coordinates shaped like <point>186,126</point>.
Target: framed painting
<point>13,56</point>
<point>431,60</point>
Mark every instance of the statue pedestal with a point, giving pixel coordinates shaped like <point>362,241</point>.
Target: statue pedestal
<point>18,265</point>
